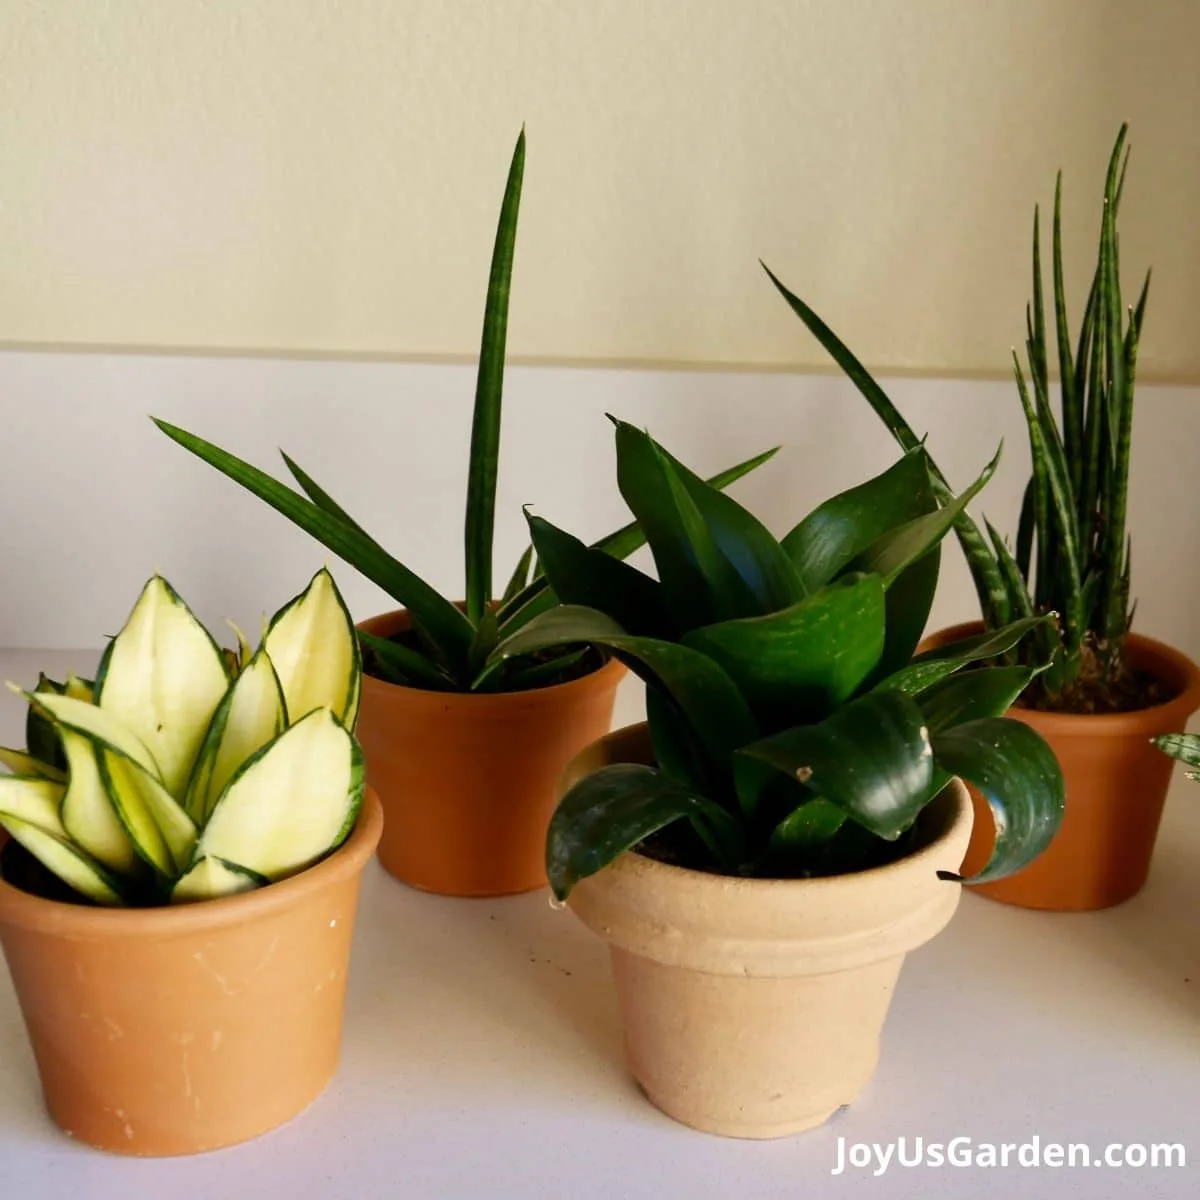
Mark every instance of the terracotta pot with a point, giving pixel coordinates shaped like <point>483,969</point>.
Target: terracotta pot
<point>467,779</point>
<point>753,1007</point>
<point>176,1030</point>
<point>1116,784</point>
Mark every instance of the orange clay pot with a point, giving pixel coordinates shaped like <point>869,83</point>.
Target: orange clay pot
<point>467,780</point>
<point>1116,785</point>
<point>175,1030</point>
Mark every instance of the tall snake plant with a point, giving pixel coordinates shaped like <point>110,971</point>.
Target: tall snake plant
<point>1072,552</point>
<point>450,645</point>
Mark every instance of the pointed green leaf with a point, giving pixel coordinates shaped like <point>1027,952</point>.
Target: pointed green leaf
<point>445,626</point>
<point>614,809</point>
<point>984,573</point>
<point>485,429</point>
<point>404,666</point>
<point>928,668</point>
<point>520,576</point>
<point>621,543</point>
<point>846,525</point>
<point>702,691</point>
<point>905,545</point>
<point>971,695</point>
<point>323,500</point>
<point>582,575</point>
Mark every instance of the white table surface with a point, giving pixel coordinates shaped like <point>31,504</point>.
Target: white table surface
<point>482,1057</point>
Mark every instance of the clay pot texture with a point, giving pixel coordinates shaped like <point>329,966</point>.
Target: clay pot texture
<point>467,779</point>
<point>1116,786</point>
<point>753,1008</point>
<point>175,1030</point>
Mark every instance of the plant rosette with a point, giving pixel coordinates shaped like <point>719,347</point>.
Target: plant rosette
<point>789,822</point>
<point>457,824</point>
<point>183,842</point>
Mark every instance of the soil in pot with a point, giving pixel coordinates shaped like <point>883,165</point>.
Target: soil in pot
<point>181,1029</point>
<point>754,1007</point>
<point>1116,787</point>
<point>467,780</point>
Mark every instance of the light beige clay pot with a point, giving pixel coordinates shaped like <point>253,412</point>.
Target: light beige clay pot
<point>753,1007</point>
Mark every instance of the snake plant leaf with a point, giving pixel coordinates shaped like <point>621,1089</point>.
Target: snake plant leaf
<point>703,692</point>
<point>1051,498</point>
<point>908,603</point>
<point>486,639</point>
<point>520,576</point>
<point>443,624</point>
<point>984,573</point>
<point>798,664</point>
<point>1017,774</point>
<point>614,809</point>
<point>1025,529</point>
<point>621,543</point>
<point>901,547</point>
<point>409,668</point>
<point>928,668</point>
<point>871,758</point>
<point>525,678</point>
<point>673,740</point>
<point>845,525</point>
<point>712,550</point>
<point>580,574</point>
<point>971,695</point>
<point>742,540</point>
<point>1183,746</point>
<point>1072,401</point>
<point>848,524</point>
<point>1018,593</point>
<point>485,430</point>
<point>700,581</point>
<point>320,497</point>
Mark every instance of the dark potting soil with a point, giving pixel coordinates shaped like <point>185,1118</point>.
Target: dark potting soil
<point>1097,692</point>
<point>850,851</point>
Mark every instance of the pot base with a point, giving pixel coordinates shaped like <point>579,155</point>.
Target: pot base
<point>749,1056</point>
<point>753,1132</point>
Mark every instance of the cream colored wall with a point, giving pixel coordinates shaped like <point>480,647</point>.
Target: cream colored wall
<point>306,175</point>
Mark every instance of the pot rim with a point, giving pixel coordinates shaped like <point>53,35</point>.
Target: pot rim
<point>736,926</point>
<point>609,672</point>
<point>24,909</point>
<point>945,813</point>
<point>1178,709</point>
